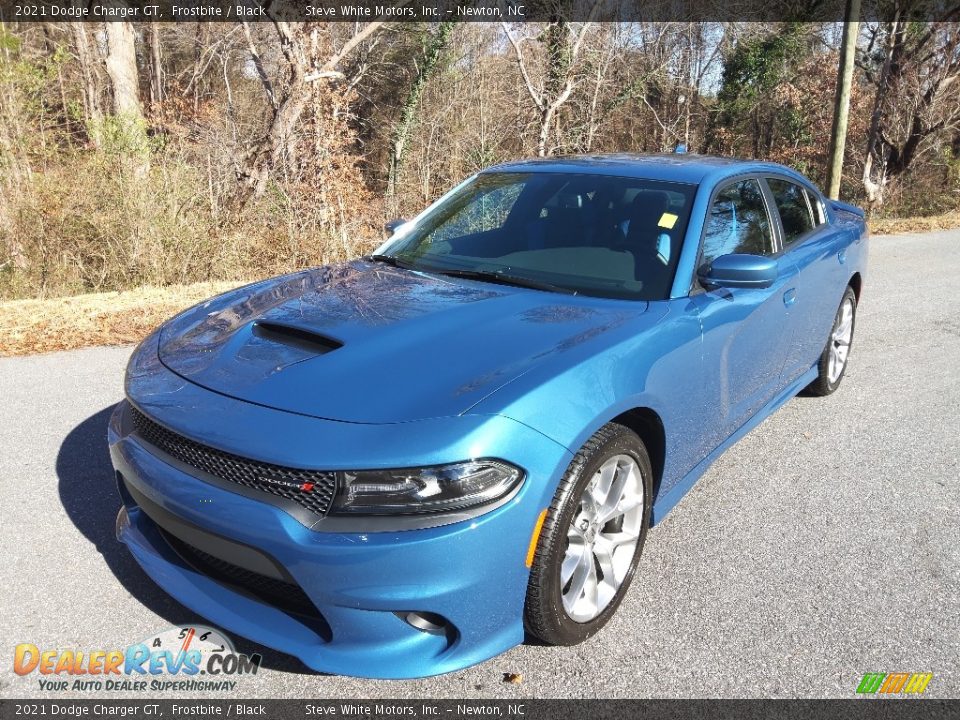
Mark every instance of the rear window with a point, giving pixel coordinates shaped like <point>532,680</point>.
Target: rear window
<point>793,205</point>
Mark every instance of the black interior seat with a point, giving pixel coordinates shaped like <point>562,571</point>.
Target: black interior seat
<point>641,236</point>
<point>566,224</point>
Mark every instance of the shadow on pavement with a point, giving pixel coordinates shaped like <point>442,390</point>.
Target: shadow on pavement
<point>89,496</point>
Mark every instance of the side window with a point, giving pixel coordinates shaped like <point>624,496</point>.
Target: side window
<point>738,222</point>
<point>819,214</point>
<point>791,202</point>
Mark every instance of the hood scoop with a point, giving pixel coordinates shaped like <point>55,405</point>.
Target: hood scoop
<point>321,342</point>
<point>297,337</point>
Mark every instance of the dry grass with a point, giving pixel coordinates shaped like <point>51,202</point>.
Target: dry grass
<point>113,318</point>
<point>119,318</point>
<point>893,226</point>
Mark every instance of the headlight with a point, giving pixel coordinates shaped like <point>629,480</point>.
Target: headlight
<point>425,490</point>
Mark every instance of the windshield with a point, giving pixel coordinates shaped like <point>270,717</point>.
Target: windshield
<point>590,234</point>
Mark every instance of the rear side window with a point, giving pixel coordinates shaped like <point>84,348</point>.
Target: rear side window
<point>738,222</point>
<point>819,214</point>
<point>794,209</point>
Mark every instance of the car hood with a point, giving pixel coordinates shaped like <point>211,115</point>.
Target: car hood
<point>365,342</point>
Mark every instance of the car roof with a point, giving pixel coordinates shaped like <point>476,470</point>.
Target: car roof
<point>670,167</point>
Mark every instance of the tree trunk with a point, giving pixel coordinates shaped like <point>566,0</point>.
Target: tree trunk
<point>841,107</point>
<point>558,80</point>
<point>93,112</point>
<point>433,47</point>
<point>874,185</point>
<point>258,65</point>
<point>156,65</point>
<point>303,68</point>
<point>256,167</point>
<point>122,68</point>
<point>200,39</point>
<point>131,129</point>
<point>559,60</point>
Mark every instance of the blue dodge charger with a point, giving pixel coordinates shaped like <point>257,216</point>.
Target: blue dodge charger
<point>405,464</point>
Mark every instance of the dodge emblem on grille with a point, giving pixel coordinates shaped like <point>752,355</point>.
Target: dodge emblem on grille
<point>304,487</point>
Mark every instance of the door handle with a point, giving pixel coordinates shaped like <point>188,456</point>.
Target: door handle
<point>790,297</point>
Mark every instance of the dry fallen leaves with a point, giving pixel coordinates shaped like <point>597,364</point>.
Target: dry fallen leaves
<point>897,226</point>
<point>114,318</point>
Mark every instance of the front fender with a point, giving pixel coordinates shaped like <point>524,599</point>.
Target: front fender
<point>657,368</point>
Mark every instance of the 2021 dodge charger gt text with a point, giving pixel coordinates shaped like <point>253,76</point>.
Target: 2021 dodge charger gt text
<point>398,465</point>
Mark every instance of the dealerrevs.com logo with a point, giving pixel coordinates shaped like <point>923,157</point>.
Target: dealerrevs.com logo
<point>182,659</point>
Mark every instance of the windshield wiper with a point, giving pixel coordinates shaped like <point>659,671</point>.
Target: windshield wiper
<point>388,259</point>
<point>494,276</point>
<point>501,279</point>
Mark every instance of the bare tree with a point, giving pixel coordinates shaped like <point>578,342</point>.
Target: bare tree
<point>258,66</point>
<point>121,64</point>
<point>90,74</point>
<point>562,50</point>
<point>332,124</point>
<point>915,73</point>
<point>305,63</point>
<point>433,46</point>
<point>130,129</point>
<point>156,64</point>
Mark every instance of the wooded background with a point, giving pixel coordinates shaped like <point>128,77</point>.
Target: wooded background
<point>149,153</point>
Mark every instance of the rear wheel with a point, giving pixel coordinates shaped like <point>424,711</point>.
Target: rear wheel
<point>833,361</point>
<point>591,540</point>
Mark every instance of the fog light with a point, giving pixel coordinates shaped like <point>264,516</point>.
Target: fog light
<point>123,522</point>
<point>424,621</point>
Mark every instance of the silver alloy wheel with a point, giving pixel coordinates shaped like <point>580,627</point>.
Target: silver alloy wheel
<point>840,341</point>
<point>602,538</point>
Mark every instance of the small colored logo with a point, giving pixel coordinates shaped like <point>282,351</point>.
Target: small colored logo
<point>894,683</point>
<point>302,487</point>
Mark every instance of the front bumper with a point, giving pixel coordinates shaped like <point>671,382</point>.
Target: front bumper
<point>471,574</point>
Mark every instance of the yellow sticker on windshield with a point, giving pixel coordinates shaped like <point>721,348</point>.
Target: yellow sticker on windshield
<point>667,220</point>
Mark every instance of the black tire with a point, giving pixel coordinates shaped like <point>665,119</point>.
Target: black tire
<point>823,385</point>
<point>544,615</point>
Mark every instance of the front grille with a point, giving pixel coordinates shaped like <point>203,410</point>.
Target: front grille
<point>311,489</point>
<point>286,596</point>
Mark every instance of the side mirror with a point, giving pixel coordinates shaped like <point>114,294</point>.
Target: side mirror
<point>391,227</point>
<point>739,271</point>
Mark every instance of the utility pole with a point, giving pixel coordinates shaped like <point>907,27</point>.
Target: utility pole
<point>841,103</point>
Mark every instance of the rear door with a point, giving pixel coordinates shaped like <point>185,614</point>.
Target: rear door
<point>810,244</point>
<point>745,331</point>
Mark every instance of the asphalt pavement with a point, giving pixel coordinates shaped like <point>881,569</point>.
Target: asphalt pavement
<point>824,545</point>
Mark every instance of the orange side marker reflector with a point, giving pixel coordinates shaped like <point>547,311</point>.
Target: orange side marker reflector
<point>536,536</point>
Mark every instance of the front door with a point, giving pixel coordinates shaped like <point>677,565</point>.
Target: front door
<point>745,331</point>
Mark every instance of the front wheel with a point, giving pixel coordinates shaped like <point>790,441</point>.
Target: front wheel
<point>591,540</point>
<point>833,361</point>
